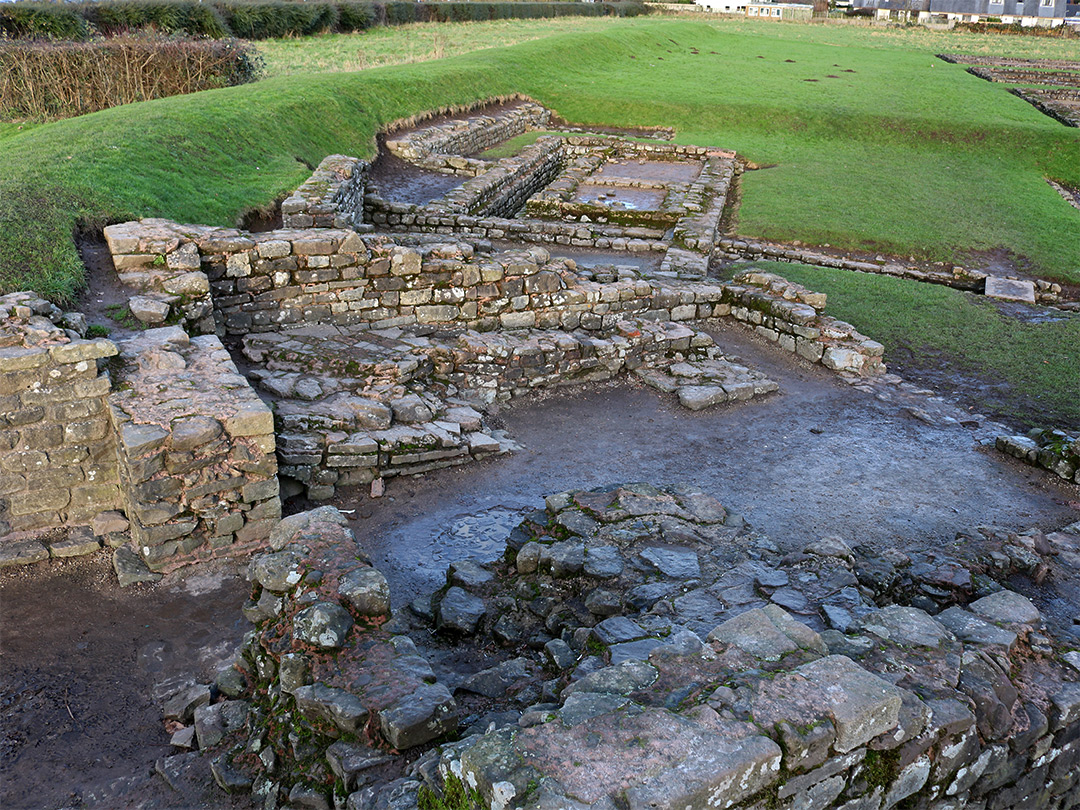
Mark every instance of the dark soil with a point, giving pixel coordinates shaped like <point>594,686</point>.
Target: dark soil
<point>78,662</point>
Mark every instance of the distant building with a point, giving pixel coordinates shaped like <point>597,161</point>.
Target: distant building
<point>723,6</point>
<point>779,11</point>
<point>1047,13</point>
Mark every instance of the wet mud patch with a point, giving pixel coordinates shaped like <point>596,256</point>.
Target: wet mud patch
<point>79,659</point>
<point>402,182</point>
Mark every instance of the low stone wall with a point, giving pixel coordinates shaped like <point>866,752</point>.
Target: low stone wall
<point>354,407</point>
<point>960,278</point>
<point>1052,450</point>
<point>503,189</point>
<point>1060,104</point>
<point>791,316</point>
<point>656,653</point>
<point>469,135</point>
<point>1051,78</point>
<point>196,446</point>
<point>333,197</point>
<point>57,453</point>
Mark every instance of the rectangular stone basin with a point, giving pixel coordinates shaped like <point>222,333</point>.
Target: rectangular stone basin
<point>620,199</point>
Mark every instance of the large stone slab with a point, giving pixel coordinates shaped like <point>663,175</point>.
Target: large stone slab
<point>1008,289</point>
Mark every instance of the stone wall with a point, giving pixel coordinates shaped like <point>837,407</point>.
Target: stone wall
<point>791,316</point>
<point>333,197</point>
<point>503,189</point>
<point>57,453</point>
<point>1062,104</point>
<point>196,447</point>
<point>960,278</point>
<point>643,648</point>
<point>466,136</point>
<point>167,274</point>
<point>1052,450</point>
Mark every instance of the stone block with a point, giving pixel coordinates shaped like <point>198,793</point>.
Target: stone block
<point>22,552</point>
<point>342,709</point>
<point>426,714</point>
<point>1007,289</point>
<point>17,358</point>
<point>252,419</point>
<point>80,350</point>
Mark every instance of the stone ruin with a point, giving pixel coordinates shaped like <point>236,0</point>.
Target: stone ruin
<point>646,648</point>
<point>653,651</point>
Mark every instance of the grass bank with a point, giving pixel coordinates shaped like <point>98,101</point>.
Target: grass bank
<point>877,144</point>
<point>963,344</point>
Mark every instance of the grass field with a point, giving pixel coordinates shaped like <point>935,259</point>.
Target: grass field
<point>1026,371</point>
<point>876,144</point>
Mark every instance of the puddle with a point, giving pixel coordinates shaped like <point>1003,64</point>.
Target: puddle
<point>626,199</point>
<point>661,170</point>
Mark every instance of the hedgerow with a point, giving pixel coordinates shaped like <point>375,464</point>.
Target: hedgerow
<point>263,19</point>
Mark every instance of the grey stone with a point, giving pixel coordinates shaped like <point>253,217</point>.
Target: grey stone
<point>183,737</point>
<point>23,552</point>
<point>861,705</point>
<point>603,603</point>
<point>566,558</point>
<point>676,563</point>
<point>622,679</point>
<point>908,782</point>
<point>971,629</point>
<point>767,633</point>
<point>699,397</point>
<point>460,611</point>
<point>366,591</point>
<point>1008,289</point>
<point>528,558</point>
<point>582,707</point>
<point>410,410</point>
<point>617,629</point>
<point>279,572</point>
<point>148,310</point>
<point>1007,607</point>
<point>130,569</point>
<point>182,705</point>
<point>420,717</point>
<point>302,797</point>
<point>576,522</point>
<point>324,624</point>
<point>831,546</point>
<point>79,540</point>
<point>633,650</point>
<point>906,626</point>
<point>349,759</point>
<point>209,725</point>
<point>721,772</point>
<point>560,655</point>
<point>603,562</point>
<point>294,671</point>
<point>336,706</point>
<point>495,681</point>
<point>192,432</point>
<point>468,574</point>
<point>267,606</point>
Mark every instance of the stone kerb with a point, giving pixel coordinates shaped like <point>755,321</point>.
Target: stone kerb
<point>333,197</point>
<point>196,450</point>
<point>1052,450</point>
<point>58,466</point>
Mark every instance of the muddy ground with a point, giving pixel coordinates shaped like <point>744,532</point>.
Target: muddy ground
<point>80,657</point>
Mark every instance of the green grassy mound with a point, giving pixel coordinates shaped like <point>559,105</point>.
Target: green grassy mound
<point>905,154</point>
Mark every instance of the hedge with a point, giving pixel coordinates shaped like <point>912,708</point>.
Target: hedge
<point>50,80</point>
<point>262,19</point>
